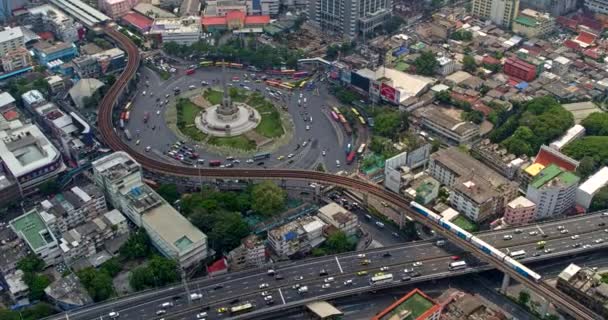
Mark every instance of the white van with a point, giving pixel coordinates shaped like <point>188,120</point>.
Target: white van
<point>303,289</point>
<point>338,163</point>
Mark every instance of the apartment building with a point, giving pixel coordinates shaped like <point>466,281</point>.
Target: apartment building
<point>186,30</point>
<point>30,227</point>
<point>599,6</point>
<point>250,254</point>
<point>335,215</point>
<point>585,286</point>
<point>520,69</point>
<point>349,18</point>
<point>476,198</point>
<point>49,18</point>
<point>532,24</point>
<point>554,7</point>
<point>11,39</point>
<point>296,237</point>
<point>520,211</point>
<point>173,235</point>
<point>447,125</point>
<point>500,12</point>
<point>553,190</point>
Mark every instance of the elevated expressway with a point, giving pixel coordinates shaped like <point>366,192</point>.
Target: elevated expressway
<point>109,135</point>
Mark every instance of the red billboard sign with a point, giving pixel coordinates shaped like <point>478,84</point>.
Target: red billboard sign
<point>388,93</point>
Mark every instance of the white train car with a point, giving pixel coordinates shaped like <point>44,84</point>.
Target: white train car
<point>425,212</point>
<point>488,249</point>
<point>521,269</point>
<point>461,233</point>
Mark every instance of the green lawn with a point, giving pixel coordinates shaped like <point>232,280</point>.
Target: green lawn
<point>416,304</point>
<point>270,126</point>
<point>186,113</point>
<point>238,142</point>
<point>165,75</point>
<point>465,223</point>
<point>213,96</point>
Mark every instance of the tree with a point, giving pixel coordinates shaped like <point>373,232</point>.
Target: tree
<point>31,263</point>
<point>600,200</point>
<point>474,116</point>
<point>160,271</point>
<point>462,35</point>
<point>468,64</point>
<point>444,96</point>
<point>49,187</point>
<point>228,230</point>
<point>389,124</point>
<point>593,147</point>
<point>523,298</point>
<point>338,242</point>
<point>98,283</point>
<point>137,247</point>
<point>596,124</point>
<point>37,283</point>
<point>551,317</point>
<point>586,167</point>
<point>518,143</point>
<point>426,63</point>
<point>169,192</point>
<point>38,311</point>
<point>267,198</point>
<point>112,267</point>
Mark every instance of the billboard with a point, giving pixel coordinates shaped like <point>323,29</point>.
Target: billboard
<point>419,157</point>
<point>392,174</point>
<point>359,81</point>
<point>345,76</point>
<point>389,93</point>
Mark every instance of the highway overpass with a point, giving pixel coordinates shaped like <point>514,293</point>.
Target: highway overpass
<point>245,285</point>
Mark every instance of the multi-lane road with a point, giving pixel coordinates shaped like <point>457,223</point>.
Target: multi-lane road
<point>245,286</point>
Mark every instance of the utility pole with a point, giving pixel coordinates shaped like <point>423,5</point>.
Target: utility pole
<point>183,274</point>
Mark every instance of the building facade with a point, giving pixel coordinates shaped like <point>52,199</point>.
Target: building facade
<point>15,60</point>
<point>500,12</point>
<point>555,7</point>
<point>451,130</point>
<point>553,191</point>
<point>296,237</point>
<point>50,18</point>
<point>250,254</point>
<point>519,69</point>
<point>42,242</point>
<point>349,18</point>
<point>519,211</point>
<point>533,24</point>
<point>186,30</point>
<point>344,220</point>
<point>599,6</point>
<point>476,198</point>
<point>11,39</point>
<point>46,52</point>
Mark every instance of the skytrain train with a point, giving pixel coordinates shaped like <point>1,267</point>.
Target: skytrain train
<point>486,248</point>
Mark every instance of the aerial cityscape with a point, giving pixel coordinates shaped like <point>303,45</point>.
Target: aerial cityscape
<point>303,159</point>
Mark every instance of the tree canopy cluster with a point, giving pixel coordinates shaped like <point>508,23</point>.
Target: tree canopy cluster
<point>426,63</point>
<point>591,151</point>
<point>137,246</point>
<point>160,271</point>
<point>596,124</point>
<point>337,242</point>
<point>240,51</point>
<point>533,124</point>
<point>462,35</point>
<point>390,123</point>
<point>35,312</point>
<point>31,266</point>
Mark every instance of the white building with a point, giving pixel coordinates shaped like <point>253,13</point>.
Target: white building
<point>172,234</point>
<point>296,237</point>
<point>17,288</point>
<point>476,198</point>
<point>7,102</point>
<point>31,228</point>
<point>29,157</point>
<point>342,219</point>
<point>186,30</point>
<point>599,6</point>
<point>447,66</point>
<point>33,98</point>
<point>588,189</point>
<point>572,134</point>
<point>50,18</point>
<point>553,191</point>
<point>397,167</point>
<point>11,39</point>
<point>501,12</point>
<point>250,254</point>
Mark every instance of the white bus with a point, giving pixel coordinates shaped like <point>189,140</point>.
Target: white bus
<point>241,308</point>
<point>519,254</point>
<point>380,278</point>
<point>457,265</point>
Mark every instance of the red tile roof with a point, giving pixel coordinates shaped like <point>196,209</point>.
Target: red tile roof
<point>592,53</point>
<point>235,15</point>
<point>257,20</point>
<point>547,156</point>
<point>213,21</point>
<point>586,37</point>
<point>138,20</point>
<point>571,44</point>
<point>397,303</point>
<point>10,115</point>
<point>46,35</point>
<point>481,107</point>
<point>490,60</point>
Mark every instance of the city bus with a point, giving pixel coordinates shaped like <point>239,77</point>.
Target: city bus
<point>190,71</point>
<point>303,84</point>
<point>261,156</point>
<point>206,63</point>
<point>457,265</point>
<point>335,116</point>
<point>288,71</point>
<point>300,74</point>
<point>215,163</point>
<point>362,120</point>
<point>351,157</point>
<point>289,84</point>
<point>241,308</point>
<point>355,111</point>
<point>519,254</point>
<point>236,65</point>
<point>285,86</point>
<point>220,63</point>
<point>128,106</point>
<point>127,116</point>
<point>361,148</point>
<point>380,278</point>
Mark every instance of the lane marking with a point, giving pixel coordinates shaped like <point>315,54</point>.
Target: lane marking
<point>281,294</point>
<point>339,266</point>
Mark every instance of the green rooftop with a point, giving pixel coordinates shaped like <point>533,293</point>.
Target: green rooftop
<point>417,304</point>
<point>526,21</point>
<point>33,229</point>
<point>554,172</point>
<point>183,243</point>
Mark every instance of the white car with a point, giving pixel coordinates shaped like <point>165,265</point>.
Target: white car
<point>295,286</point>
<point>330,279</point>
<point>307,127</point>
<point>264,285</point>
<point>533,233</point>
<point>148,148</point>
<point>326,285</point>
<point>564,231</point>
<point>289,156</point>
<point>267,298</point>
<point>166,305</point>
<point>599,240</point>
<point>348,282</point>
<point>417,264</point>
<point>265,293</point>
<point>161,312</point>
<point>384,269</point>
<point>158,112</point>
<point>507,237</point>
<point>323,153</point>
<point>361,255</point>
<point>574,237</point>
<point>195,296</point>
<point>201,315</point>
<point>249,161</point>
<point>113,315</point>
<point>298,278</point>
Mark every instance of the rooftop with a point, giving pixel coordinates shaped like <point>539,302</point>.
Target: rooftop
<point>32,229</point>
<point>475,188</point>
<point>51,11</point>
<point>8,33</point>
<point>176,25</point>
<point>6,99</point>
<point>138,20</point>
<point>463,164</point>
<point>336,212</point>
<point>448,118</point>
<point>173,228</point>
<point>554,175</point>
<point>597,181</point>
<point>547,156</point>
<point>526,21</point>
<point>26,149</point>
<point>407,84</point>
<point>520,202</point>
<point>69,290</point>
<point>416,303</point>
<point>534,169</point>
<point>152,11</point>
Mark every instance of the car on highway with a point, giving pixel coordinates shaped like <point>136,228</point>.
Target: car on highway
<point>574,237</point>
<point>600,240</point>
<point>348,282</point>
<point>601,224</point>
<point>576,245</point>
<point>379,224</point>
<point>564,231</point>
<point>278,277</point>
<point>166,305</point>
<point>455,258</point>
<point>249,161</point>
<point>533,233</point>
<point>289,156</point>
<point>323,272</point>
<point>201,315</point>
<point>326,285</point>
<point>222,309</point>
<point>295,286</point>
<point>330,279</point>
<point>417,264</point>
<point>148,148</point>
<point>560,227</point>
<point>218,286</point>
<point>303,289</point>
<point>548,250</point>
<point>362,273</point>
<point>298,278</point>
<point>385,268</point>
<point>587,246</point>
<point>137,142</point>
<point>264,285</point>
<point>395,234</point>
<point>387,254</point>
<point>307,127</point>
<point>536,254</point>
<point>194,296</point>
<point>157,112</point>
<point>113,315</point>
<point>268,297</point>
<point>518,231</point>
<point>406,270</point>
<point>507,237</point>
<point>361,255</point>
<point>323,153</point>
<point>365,262</point>
<point>281,158</point>
<point>415,274</point>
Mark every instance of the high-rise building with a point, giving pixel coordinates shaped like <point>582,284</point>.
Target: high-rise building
<point>349,18</point>
<point>170,232</point>
<point>7,7</point>
<point>531,23</point>
<point>501,12</point>
<point>11,39</point>
<point>599,6</point>
<point>555,7</point>
<point>553,190</point>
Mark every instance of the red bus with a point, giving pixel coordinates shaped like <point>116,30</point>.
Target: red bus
<point>300,74</point>
<point>236,65</point>
<point>342,119</point>
<point>215,163</point>
<point>146,117</point>
<point>288,71</point>
<point>122,115</point>
<point>347,128</point>
<point>190,71</point>
<point>335,116</point>
<point>351,157</point>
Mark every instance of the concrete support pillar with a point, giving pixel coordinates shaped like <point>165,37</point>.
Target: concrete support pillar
<point>317,194</point>
<point>544,308</point>
<point>505,283</point>
<point>365,200</point>
<point>283,183</point>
